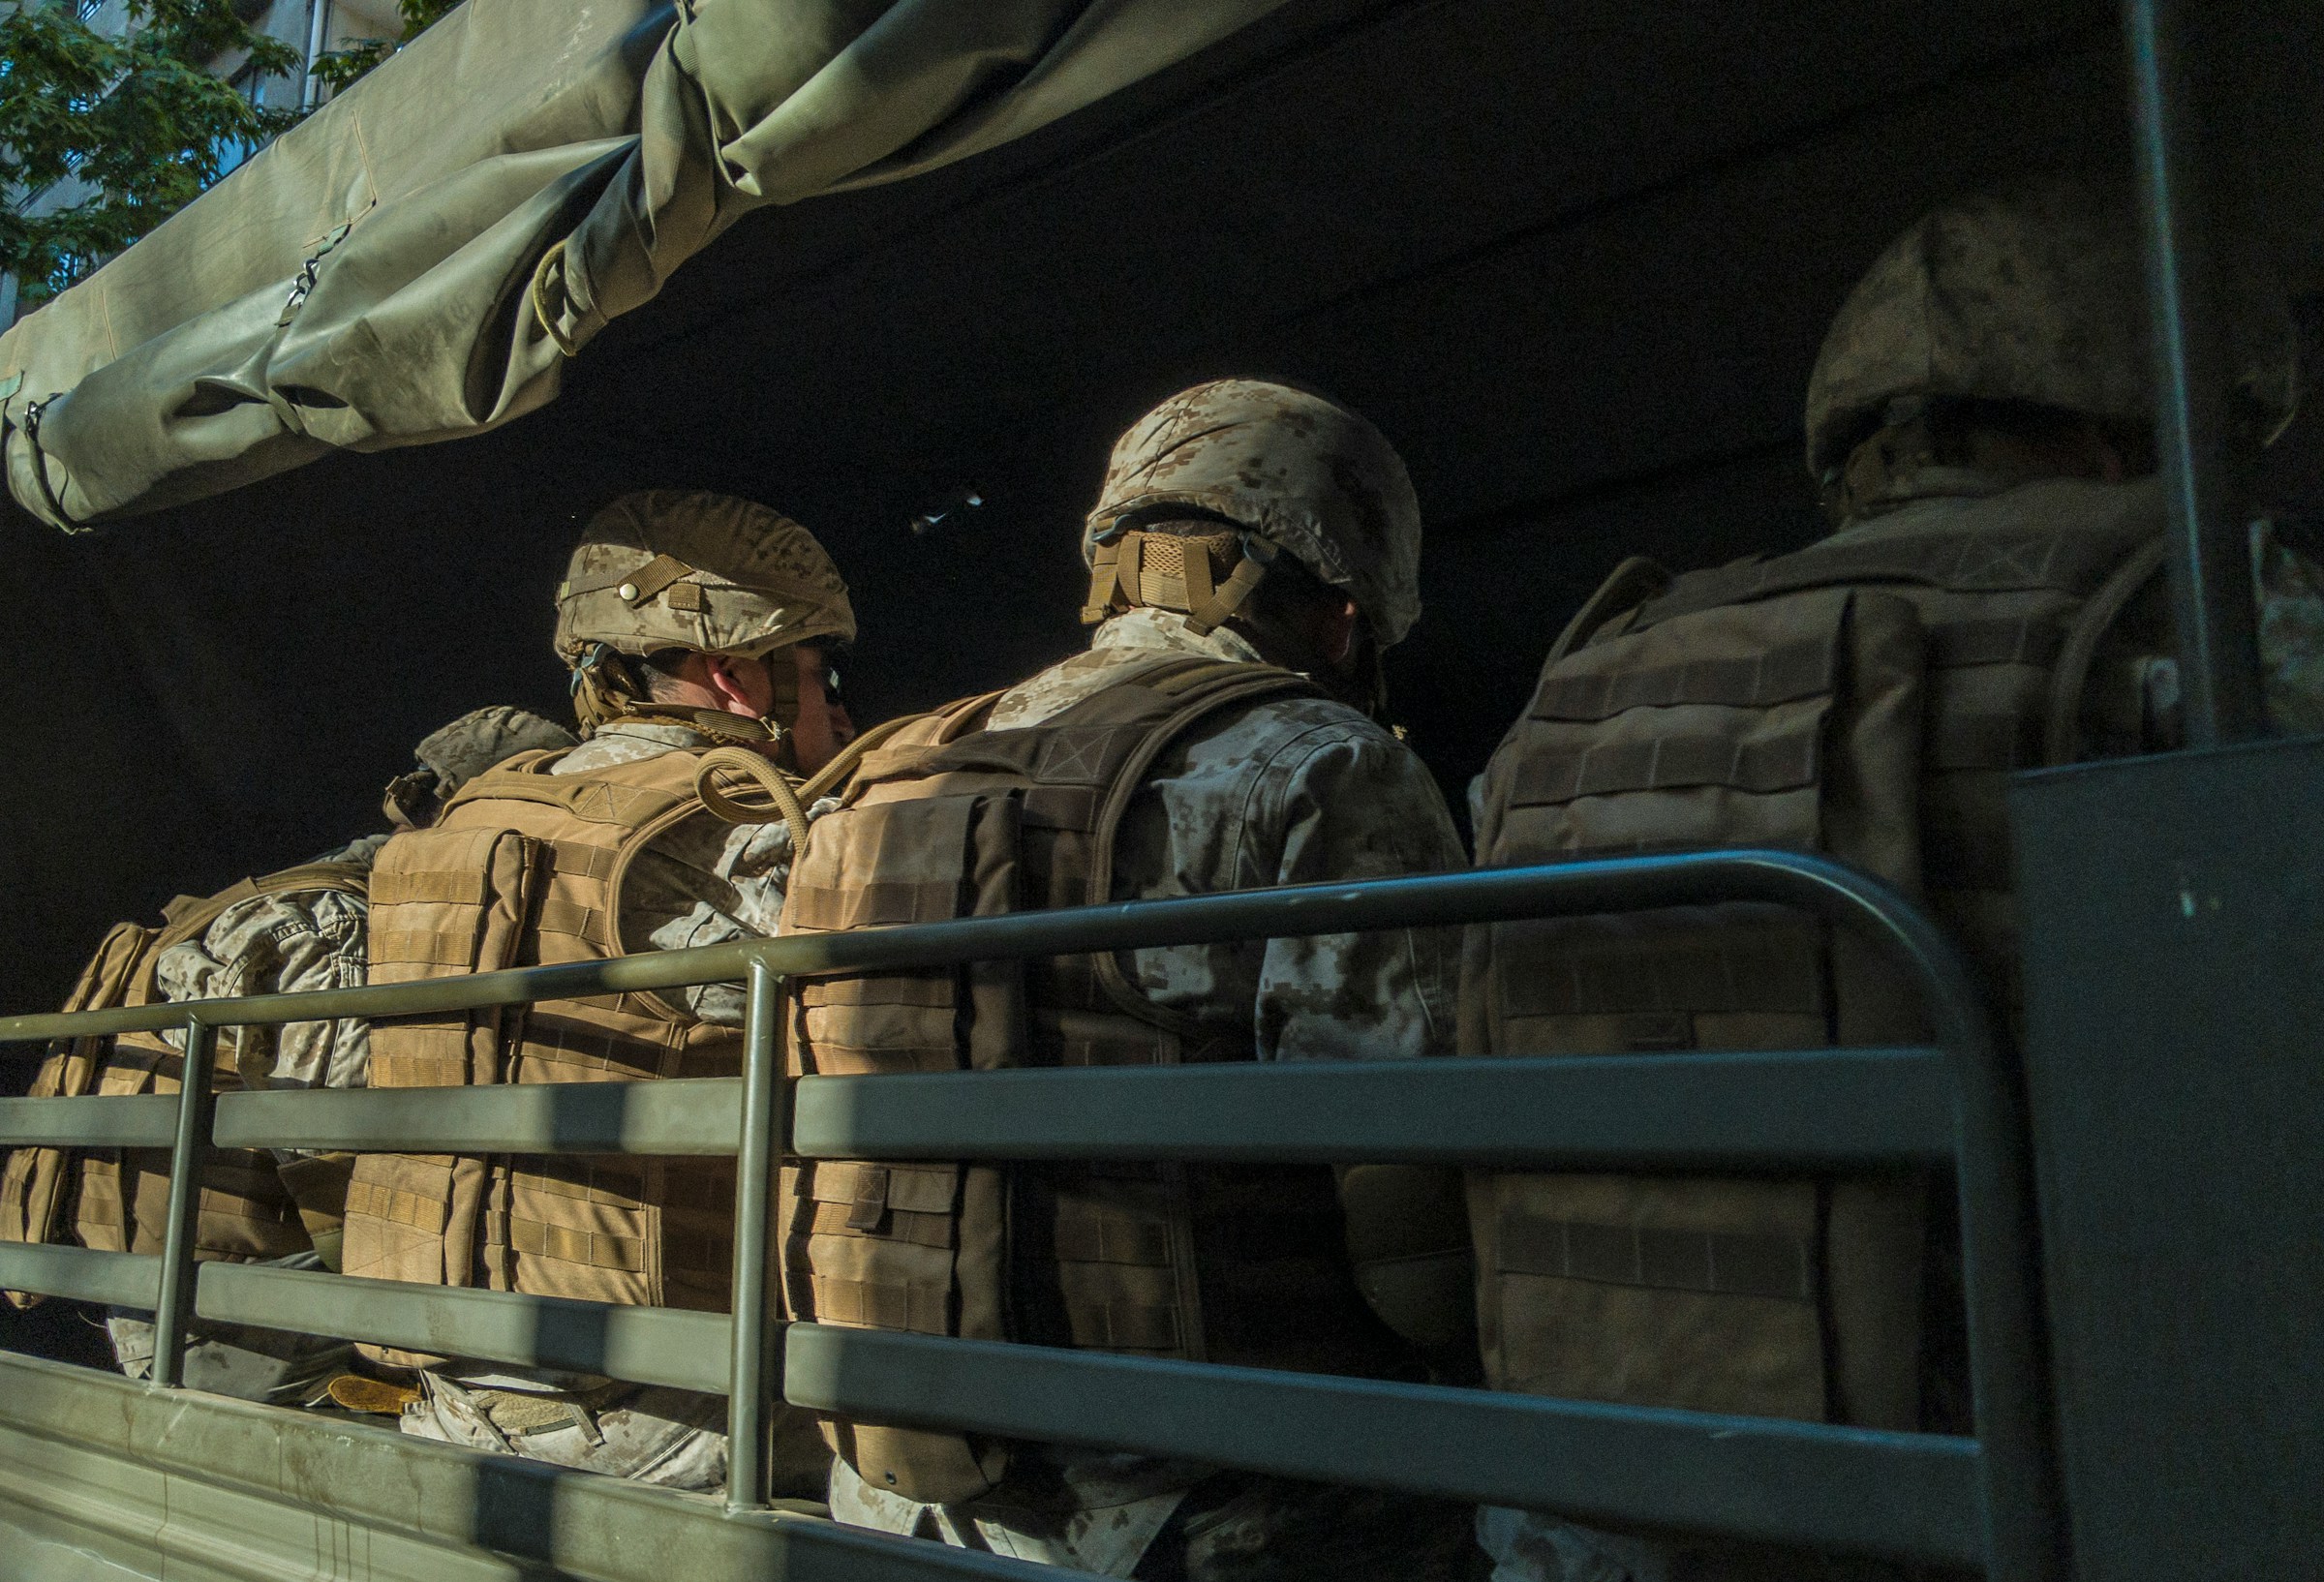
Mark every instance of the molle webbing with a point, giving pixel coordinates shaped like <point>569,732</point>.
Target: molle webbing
<point>245,1211</point>
<point>948,820</point>
<point>527,867</point>
<point>1865,698</point>
<point>2011,560</point>
<point>1645,1255</point>
<point>35,1184</point>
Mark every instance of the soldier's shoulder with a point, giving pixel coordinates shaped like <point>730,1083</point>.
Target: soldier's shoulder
<point>1292,732</point>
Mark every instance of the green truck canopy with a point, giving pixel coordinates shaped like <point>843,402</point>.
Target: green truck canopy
<point>418,259</point>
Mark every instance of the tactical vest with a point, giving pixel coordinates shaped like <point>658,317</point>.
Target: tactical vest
<point>247,1210</point>
<point>1240,1264</point>
<point>525,868</point>
<point>1867,698</point>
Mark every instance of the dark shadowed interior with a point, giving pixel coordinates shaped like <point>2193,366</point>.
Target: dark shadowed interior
<point>1574,261</point>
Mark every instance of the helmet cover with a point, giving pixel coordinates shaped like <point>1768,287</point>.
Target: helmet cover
<point>452,756</point>
<point>668,568</point>
<point>1299,471</point>
<point>2034,293</point>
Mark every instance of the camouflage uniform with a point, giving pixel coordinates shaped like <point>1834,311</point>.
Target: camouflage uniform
<point>657,570</point>
<point>2034,298</point>
<point>1290,791</point>
<point>287,943</point>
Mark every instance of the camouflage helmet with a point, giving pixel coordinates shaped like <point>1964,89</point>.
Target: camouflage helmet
<point>2034,293</point>
<point>450,757</point>
<point>669,568</point>
<point>1298,472</point>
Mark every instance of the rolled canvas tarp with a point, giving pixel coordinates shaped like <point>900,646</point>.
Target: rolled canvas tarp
<point>418,259</point>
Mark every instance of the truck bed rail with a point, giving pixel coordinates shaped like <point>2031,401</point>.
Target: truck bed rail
<point>1984,1502</point>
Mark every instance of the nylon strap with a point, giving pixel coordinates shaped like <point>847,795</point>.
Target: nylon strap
<point>1207,615</point>
<point>1103,561</point>
<point>649,579</point>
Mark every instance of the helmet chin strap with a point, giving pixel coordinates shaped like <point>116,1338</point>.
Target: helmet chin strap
<point>606,690</point>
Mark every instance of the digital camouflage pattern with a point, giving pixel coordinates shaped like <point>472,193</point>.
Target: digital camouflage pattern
<point>449,758</point>
<point>1299,471</point>
<point>1294,791</point>
<point>681,568</point>
<point>1289,791</point>
<point>2291,632</point>
<point>309,939</point>
<point>2031,294</point>
<point>282,944</point>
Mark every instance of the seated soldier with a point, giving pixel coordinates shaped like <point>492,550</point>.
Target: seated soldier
<point>299,930</point>
<point>1253,551</point>
<point>1991,600</point>
<point>696,626</point>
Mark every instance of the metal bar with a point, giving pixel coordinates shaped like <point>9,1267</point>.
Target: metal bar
<point>197,1103</point>
<point>756,1183</point>
<point>148,1120</point>
<point>113,1279</point>
<point>645,1345</point>
<point>1823,1107</point>
<point>2195,449</point>
<point>692,1117</point>
<point>2009,1379</point>
<point>1814,884</point>
<point>2020,1507</point>
<point>1912,1496</point>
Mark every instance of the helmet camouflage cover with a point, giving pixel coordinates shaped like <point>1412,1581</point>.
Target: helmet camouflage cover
<point>679,568</point>
<point>450,757</point>
<point>2034,293</point>
<point>1300,472</point>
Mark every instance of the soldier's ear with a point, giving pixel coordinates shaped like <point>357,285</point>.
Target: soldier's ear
<point>1339,632</point>
<point>740,685</point>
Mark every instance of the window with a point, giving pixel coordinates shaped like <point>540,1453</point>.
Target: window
<point>70,269</point>
<point>234,152</point>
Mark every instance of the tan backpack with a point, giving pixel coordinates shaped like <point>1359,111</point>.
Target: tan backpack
<point>525,868</point>
<point>118,1199</point>
<point>1239,1265</point>
<point>1866,698</point>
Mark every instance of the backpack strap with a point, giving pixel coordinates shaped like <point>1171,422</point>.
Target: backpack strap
<point>1221,687</point>
<point>1633,582</point>
<point>2062,737</point>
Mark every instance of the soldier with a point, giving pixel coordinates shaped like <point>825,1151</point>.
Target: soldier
<point>693,624</point>
<point>301,928</point>
<point>1252,553</point>
<point>1978,419</point>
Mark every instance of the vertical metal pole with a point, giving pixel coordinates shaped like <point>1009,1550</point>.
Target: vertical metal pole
<point>758,1162</point>
<point>197,1103</point>
<point>2196,448</point>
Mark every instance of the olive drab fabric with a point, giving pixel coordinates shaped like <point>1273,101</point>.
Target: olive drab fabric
<point>1230,1264</point>
<point>1293,470</point>
<point>2032,295</point>
<point>117,1199</point>
<point>525,868</point>
<point>418,259</point>
<point>1866,697</point>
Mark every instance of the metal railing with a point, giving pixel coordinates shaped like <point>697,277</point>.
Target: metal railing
<point>1983,1502</point>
